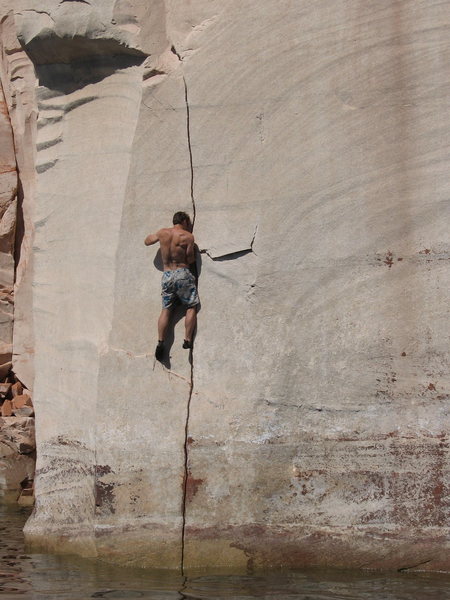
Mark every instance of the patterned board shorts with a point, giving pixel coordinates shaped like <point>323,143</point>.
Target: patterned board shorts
<point>180,284</point>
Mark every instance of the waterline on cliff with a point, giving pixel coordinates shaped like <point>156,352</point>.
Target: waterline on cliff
<point>43,576</point>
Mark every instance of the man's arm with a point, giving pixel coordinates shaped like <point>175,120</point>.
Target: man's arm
<point>152,238</point>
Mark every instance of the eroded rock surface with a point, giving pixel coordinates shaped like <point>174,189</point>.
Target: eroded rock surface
<point>312,424</point>
<point>8,210</point>
<point>18,82</point>
<point>17,459</point>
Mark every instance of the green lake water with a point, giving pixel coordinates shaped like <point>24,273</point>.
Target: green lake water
<point>42,576</point>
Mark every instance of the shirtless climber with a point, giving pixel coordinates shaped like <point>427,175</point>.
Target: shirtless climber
<point>177,251</point>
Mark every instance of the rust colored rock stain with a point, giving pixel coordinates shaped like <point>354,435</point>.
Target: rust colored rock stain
<point>426,251</point>
<point>67,442</point>
<point>190,440</point>
<point>306,475</point>
<point>7,169</point>
<point>101,470</point>
<point>403,353</point>
<point>389,259</point>
<point>104,492</point>
<point>192,486</point>
<point>104,496</point>
<point>431,492</point>
<point>432,387</point>
<point>4,109</point>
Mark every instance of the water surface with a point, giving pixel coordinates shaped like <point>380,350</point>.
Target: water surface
<point>46,576</point>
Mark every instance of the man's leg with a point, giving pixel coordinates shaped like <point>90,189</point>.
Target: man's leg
<point>190,322</point>
<point>163,323</point>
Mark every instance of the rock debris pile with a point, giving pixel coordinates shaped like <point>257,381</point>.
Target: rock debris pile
<point>17,442</point>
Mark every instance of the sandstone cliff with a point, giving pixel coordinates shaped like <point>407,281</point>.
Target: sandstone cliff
<point>310,142</point>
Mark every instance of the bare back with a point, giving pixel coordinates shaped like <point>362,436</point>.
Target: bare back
<point>177,247</point>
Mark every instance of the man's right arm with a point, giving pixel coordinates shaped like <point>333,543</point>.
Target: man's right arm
<point>152,238</point>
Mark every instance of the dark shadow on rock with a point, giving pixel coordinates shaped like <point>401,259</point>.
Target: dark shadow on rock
<point>231,255</point>
<point>52,48</point>
<point>157,261</point>
<point>196,269</point>
<point>66,78</point>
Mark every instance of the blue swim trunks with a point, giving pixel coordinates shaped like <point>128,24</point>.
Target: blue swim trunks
<point>180,284</point>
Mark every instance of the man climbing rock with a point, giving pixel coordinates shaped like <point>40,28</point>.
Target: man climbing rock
<point>178,283</point>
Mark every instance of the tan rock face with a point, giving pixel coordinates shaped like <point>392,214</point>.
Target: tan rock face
<point>311,426</point>
<point>18,82</point>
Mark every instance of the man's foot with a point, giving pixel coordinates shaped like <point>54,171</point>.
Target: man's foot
<point>187,344</point>
<point>159,352</point>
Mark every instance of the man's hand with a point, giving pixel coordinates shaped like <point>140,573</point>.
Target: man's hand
<point>152,238</point>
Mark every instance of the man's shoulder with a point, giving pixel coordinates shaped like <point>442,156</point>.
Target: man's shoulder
<point>164,232</point>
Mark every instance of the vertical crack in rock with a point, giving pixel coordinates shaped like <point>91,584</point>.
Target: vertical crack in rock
<point>191,357</point>
<point>253,239</point>
<point>186,462</point>
<point>188,131</point>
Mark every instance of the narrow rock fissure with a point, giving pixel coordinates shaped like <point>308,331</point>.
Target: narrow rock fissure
<point>20,223</point>
<point>253,240</point>
<point>191,357</point>
<point>186,465</point>
<point>188,131</point>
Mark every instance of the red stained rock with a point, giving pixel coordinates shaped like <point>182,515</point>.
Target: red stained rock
<point>21,401</point>
<point>6,410</point>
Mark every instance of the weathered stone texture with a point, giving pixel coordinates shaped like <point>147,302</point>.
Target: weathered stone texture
<point>18,81</point>
<point>311,427</point>
<point>17,445</point>
<point>8,208</point>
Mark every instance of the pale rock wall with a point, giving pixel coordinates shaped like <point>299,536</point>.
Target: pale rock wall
<point>311,426</point>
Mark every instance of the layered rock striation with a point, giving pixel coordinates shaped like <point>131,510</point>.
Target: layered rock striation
<point>310,423</point>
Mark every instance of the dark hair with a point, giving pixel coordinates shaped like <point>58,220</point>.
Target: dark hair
<point>179,217</point>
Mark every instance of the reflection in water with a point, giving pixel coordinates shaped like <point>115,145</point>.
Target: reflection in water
<point>39,577</point>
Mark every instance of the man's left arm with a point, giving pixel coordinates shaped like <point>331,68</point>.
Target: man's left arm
<point>190,252</point>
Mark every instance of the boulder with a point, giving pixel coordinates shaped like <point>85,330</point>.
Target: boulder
<point>21,400</point>
<point>14,469</point>
<point>18,433</point>
<point>6,408</point>
<point>23,411</point>
<point>17,461</point>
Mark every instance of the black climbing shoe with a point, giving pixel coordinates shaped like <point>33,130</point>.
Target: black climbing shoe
<point>187,344</point>
<point>159,352</point>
